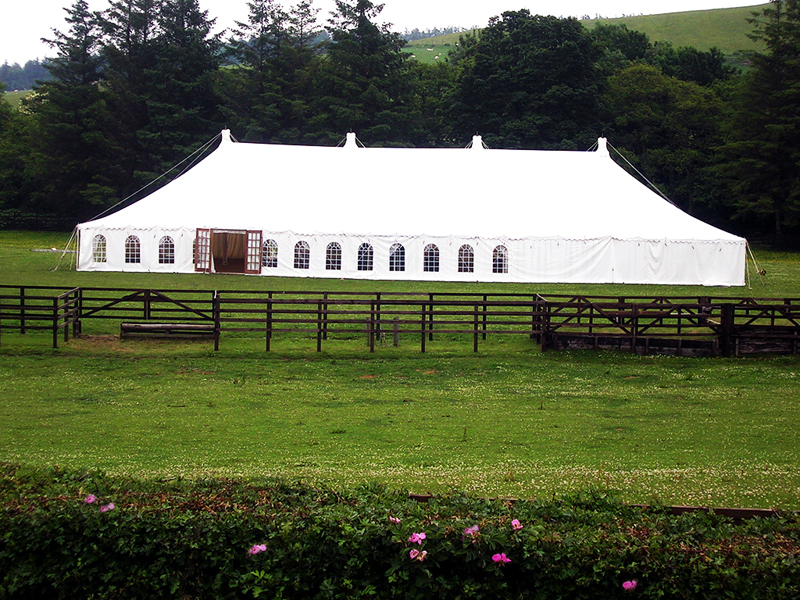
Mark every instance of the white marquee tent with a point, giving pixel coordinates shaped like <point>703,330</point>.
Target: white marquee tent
<point>414,214</point>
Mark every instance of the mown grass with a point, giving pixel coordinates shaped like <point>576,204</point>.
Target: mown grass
<point>508,421</point>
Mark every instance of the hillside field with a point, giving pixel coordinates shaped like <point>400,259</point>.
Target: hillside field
<point>725,28</point>
<point>507,421</point>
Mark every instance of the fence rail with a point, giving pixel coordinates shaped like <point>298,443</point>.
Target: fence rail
<point>673,325</point>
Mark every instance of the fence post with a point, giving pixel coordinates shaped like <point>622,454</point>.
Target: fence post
<point>476,329</point>
<point>76,322</point>
<point>423,325</point>
<point>485,308</point>
<point>216,312</point>
<point>319,326</point>
<point>22,310</point>
<point>269,322</point>
<point>378,315</point>
<point>55,323</point>
<point>325,318</point>
<point>634,327</point>
<point>430,317</point>
<point>727,320</point>
<point>146,305</point>
<point>372,331</point>
<point>396,331</point>
<point>66,319</point>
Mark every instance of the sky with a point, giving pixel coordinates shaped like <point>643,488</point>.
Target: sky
<point>25,22</point>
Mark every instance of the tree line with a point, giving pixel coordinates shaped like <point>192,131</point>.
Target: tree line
<point>138,87</point>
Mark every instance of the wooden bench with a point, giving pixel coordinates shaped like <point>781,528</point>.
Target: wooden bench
<point>167,330</point>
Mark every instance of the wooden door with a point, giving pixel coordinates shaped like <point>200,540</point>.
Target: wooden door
<point>252,263</point>
<point>202,251</point>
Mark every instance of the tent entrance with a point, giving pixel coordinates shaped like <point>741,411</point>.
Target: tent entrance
<point>228,251</point>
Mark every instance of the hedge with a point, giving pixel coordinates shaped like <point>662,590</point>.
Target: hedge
<point>71,534</point>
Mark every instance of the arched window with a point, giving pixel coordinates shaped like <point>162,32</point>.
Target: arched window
<point>166,251</point>
<point>333,257</point>
<point>365,256</point>
<point>99,249</point>
<point>302,255</point>
<point>133,250</point>
<point>397,258</point>
<point>269,254</point>
<point>466,259</point>
<point>500,260</point>
<point>430,259</point>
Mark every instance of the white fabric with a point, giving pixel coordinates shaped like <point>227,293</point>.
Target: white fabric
<point>563,216</point>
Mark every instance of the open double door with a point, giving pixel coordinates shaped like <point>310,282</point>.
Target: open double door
<point>227,251</point>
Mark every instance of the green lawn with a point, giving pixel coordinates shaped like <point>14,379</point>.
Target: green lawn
<point>508,421</point>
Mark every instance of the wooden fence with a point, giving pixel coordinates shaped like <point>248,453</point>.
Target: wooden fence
<point>672,325</point>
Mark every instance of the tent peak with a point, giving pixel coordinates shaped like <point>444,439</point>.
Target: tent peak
<point>477,143</point>
<point>226,137</point>
<point>602,147</point>
<point>352,141</point>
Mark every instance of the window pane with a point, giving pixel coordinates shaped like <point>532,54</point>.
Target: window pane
<point>365,257</point>
<point>269,254</point>
<point>397,258</point>
<point>333,257</point>
<point>466,259</point>
<point>430,261</point>
<point>133,253</point>
<point>500,260</point>
<point>302,255</point>
<point>99,249</point>
<point>166,251</point>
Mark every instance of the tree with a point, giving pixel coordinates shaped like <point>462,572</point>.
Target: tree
<point>530,82</point>
<point>361,86</point>
<point>762,157</point>
<point>668,128</point>
<point>72,137</point>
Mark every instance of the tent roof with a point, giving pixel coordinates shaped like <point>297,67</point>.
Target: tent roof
<point>467,193</point>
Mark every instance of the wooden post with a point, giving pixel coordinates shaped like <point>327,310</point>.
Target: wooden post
<point>146,306</point>
<point>485,308</point>
<point>634,327</point>
<point>269,321</point>
<point>378,315</point>
<point>319,326</point>
<point>476,329</point>
<point>325,318</point>
<point>396,332</point>
<point>22,310</point>
<point>423,325</point>
<point>727,321</point>
<point>371,328</point>
<point>430,317</point>
<point>55,323</point>
<point>67,304</point>
<point>216,312</point>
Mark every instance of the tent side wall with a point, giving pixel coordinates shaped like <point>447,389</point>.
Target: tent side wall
<point>552,260</point>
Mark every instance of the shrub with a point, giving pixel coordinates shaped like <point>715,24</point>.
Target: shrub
<point>233,539</point>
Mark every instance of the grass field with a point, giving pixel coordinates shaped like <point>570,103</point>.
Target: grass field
<point>726,29</point>
<point>508,421</point>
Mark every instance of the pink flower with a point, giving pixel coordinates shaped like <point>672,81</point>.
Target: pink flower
<point>257,548</point>
<point>629,586</point>
<point>413,554</point>
<point>417,555</point>
<point>416,538</point>
<point>90,499</point>
<point>501,558</point>
<point>394,520</point>
<point>471,531</point>
<point>516,525</point>
<point>107,507</point>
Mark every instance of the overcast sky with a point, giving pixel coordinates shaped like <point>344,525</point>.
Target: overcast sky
<point>24,22</point>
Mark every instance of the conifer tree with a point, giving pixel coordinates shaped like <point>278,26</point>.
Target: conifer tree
<point>762,158</point>
<point>73,140</point>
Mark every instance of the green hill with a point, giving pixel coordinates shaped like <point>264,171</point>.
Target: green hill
<point>724,28</point>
